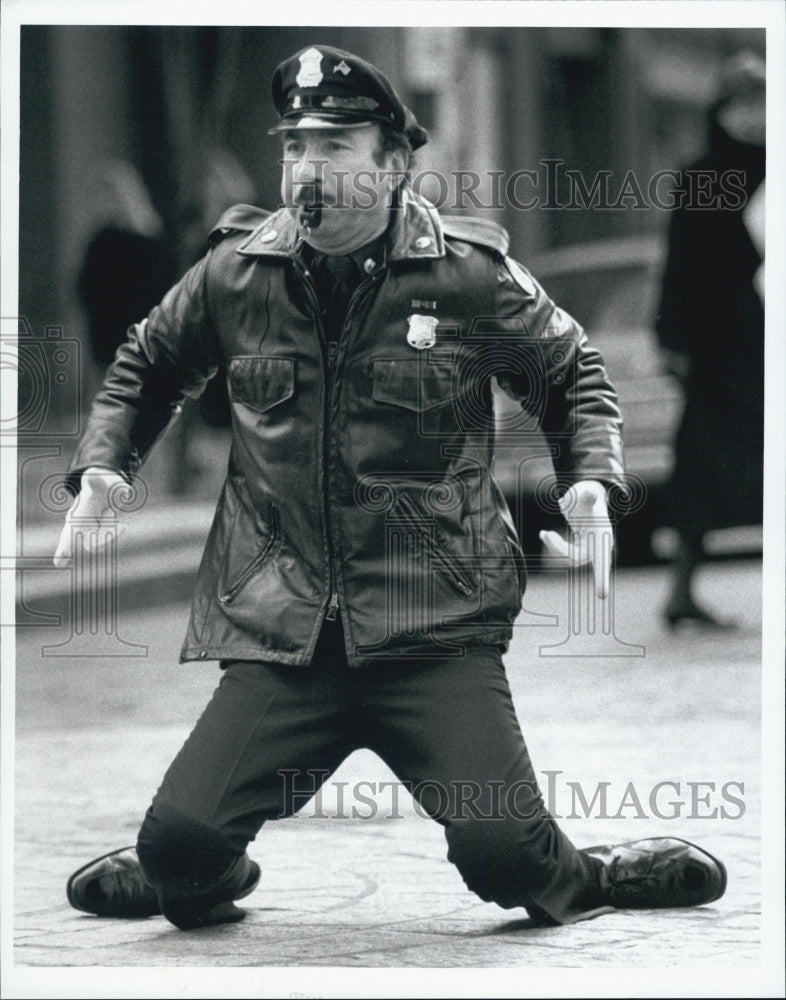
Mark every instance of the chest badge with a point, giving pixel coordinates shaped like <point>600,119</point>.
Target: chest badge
<point>422,331</point>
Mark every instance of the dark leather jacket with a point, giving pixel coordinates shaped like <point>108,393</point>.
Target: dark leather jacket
<point>359,479</point>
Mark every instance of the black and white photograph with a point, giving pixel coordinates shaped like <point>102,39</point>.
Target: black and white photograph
<point>392,521</point>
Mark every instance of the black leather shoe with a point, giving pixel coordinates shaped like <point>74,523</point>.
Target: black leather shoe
<point>656,873</point>
<point>216,906</point>
<point>113,886</point>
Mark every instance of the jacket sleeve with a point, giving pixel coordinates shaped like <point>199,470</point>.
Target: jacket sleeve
<point>167,357</point>
<point>558,377</point>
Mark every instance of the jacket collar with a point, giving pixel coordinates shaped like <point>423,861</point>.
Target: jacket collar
<point>416,233</point>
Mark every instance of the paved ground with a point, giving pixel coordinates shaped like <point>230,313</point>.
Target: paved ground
<point>371,907</point>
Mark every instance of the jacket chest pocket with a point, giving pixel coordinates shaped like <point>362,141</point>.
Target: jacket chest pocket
<point>261,383</point>
<point>418,384</point>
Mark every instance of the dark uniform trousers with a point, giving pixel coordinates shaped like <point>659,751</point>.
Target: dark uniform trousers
<point>271,735</point>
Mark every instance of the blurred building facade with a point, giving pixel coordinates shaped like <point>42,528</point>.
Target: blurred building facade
<point>188,107</point>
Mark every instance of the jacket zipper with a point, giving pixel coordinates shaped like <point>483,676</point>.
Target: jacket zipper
<point>331,353</point>
<point>256,562</point>
<point>333,346</point>
<point>305,273</point>
<point>439,555</point>
<point>332,610</point>
<point>331,613</point>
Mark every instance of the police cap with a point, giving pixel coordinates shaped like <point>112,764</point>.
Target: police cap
<point>322,87</point>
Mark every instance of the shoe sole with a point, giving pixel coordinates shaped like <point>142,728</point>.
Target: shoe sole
<point>150,912</point>
<point>718,862</point>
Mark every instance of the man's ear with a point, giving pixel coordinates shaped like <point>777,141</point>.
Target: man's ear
<point>396,166</point>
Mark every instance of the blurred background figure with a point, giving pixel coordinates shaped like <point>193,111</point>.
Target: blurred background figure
<point>710,325</point>
<point>123,272</point>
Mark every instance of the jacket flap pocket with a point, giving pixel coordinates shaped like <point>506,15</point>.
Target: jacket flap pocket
<point>261,383</point>
<point>414,383</point>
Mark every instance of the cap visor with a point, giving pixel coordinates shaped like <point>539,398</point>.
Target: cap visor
<point>313,122</point>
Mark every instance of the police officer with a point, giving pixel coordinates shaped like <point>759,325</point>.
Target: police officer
<point>362,575</point>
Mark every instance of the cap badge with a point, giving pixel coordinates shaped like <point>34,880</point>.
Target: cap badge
<point>422,331</point>
<point>343,68</point>
<point>310,74</point>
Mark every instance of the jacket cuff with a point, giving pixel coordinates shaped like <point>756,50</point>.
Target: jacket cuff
<point>106,446</point>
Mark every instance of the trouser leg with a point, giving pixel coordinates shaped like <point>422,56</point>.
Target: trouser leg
<point>449,731</point>
<point>267,740</point>
<point>686,561</point>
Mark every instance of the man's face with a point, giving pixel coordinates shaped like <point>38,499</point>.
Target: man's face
<point>334,185</point>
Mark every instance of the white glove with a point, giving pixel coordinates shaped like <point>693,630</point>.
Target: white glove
<point>584,508</point>
<point>94,512</point>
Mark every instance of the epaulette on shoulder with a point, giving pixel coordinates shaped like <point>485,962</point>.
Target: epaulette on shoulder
<point>474,230</point>
<point>237,219</point>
